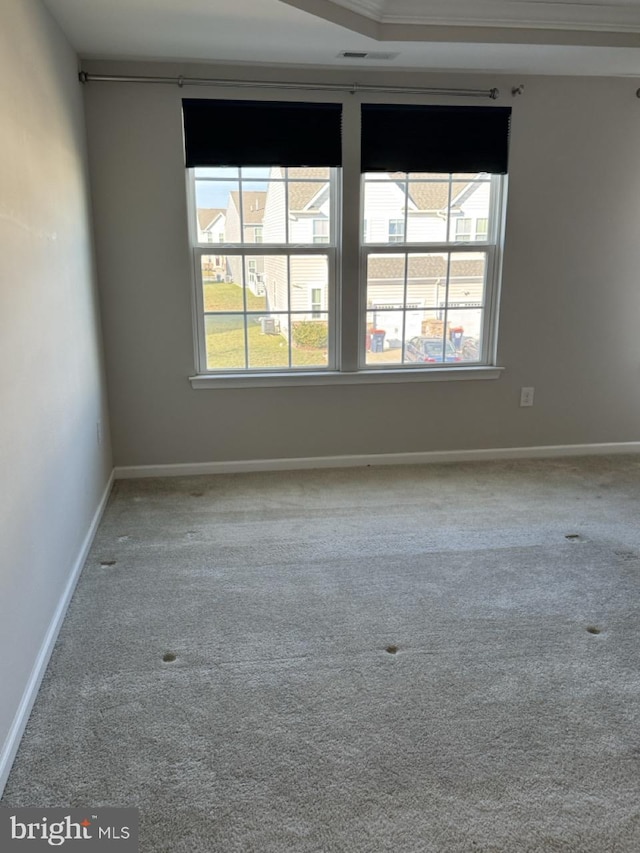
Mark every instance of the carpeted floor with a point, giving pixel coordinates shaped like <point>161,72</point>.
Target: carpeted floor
<point>441,659</point>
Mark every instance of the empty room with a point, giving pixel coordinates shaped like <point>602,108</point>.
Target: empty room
<point>320,434</point>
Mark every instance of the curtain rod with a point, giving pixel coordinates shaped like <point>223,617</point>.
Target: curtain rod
<point>84,77</point>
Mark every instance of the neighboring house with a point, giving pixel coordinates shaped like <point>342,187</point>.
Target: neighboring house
<point>253,210</point>
<point>426,289</point>
<point>211,224</point>
<point>308,222</point>
<point>426,221</point>
<point>211,228</point>
<point>426,211</point>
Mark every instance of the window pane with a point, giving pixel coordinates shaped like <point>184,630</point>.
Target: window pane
<point>427,280</point>
<point>465,332</point>
<point>254,218</point>
<point>225,341</point>
<point>385,281</point>
<point>467,280</point>
<point>254,278</point>
<point>276,281</point>
<point>222,277</point>
<point>309,283</point>
<point>384,203</point>
<point>425,339</point>
<point>267,336</point>
<point>309,211</point>
<point>383,337</point>
<point>470,203</point>
<point>309,340</point>
<point>427,216</point>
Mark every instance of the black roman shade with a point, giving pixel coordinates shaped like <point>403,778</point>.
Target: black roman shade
<point>408,138</point>
<point>261,133</point>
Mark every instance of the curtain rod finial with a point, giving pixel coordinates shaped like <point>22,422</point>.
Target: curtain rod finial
<point>83,77</point>
<point>494,94</point>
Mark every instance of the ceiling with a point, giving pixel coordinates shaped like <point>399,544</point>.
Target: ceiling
<point>520,36</point>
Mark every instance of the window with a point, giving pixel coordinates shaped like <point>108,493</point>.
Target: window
<point>266,312</point>
<point>320,230</point>
<point>430,220</point>
<point>316,303</point>
<point>482,229</point>
<point>396,230</point>
<point>427,299</point>
<point>463,229</point>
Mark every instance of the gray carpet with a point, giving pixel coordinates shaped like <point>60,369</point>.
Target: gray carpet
<point>382,659</point>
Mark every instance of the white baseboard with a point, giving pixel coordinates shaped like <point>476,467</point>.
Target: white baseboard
<point>12,742</point>
<point>354,461</point>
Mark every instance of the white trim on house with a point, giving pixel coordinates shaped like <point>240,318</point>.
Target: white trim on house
<point>12,742</point>
<point>373,459</point>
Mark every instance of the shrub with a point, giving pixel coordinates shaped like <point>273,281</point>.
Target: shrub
<point>310,334</point>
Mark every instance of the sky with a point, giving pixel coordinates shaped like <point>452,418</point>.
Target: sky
<point>216,193</point>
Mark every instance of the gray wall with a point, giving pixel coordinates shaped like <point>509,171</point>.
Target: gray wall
<point>570,303</point>
<point>51,376</point>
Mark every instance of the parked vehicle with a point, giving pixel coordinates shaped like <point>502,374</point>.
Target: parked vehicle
<point>429,350</point>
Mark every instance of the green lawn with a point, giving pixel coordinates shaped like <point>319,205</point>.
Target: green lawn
<point>227,296</point>
<point>225,334</point>
<point>225,349</point>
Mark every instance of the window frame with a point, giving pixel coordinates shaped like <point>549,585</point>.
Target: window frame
<point>261,249</point>
<point>346,289</point>
<point>491,247</point>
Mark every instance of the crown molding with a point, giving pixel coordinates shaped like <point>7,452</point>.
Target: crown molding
<point>484,21</point>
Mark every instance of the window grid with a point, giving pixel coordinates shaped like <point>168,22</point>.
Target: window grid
<point>251,263</point>
<point>469,311</point>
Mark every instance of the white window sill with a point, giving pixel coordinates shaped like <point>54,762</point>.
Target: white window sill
<point>361,377</point>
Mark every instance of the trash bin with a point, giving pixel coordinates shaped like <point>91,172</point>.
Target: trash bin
<point>377,340</point>
<point>455,335</point>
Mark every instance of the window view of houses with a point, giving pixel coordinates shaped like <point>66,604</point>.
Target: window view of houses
<point>426,249</point>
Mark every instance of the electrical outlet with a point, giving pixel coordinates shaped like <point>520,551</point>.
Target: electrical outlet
<point>526,396</point>
<point>99,433</point>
